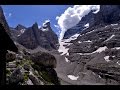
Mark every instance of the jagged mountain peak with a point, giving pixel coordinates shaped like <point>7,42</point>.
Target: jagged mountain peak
<point>35,25</point>
<point>19,27</point>
<point>46,24</point>
<point>43,37</point>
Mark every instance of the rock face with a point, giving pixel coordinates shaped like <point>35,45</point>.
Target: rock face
<point>16,77</point>
<point>106,71</point>
<point>45,59</point>
<point>20,27</point>
<point>50,35</point>
<point>108,14</point>
<point>7,43</point>
<point>3,21</point>
<point>10,56</point>
<point>93,56</point>
<point>31,68</point>
<point>87,19</point>
<point>45,63</point>
<point>34,37</point>
<point>17,31</point>
<point>19,66</point>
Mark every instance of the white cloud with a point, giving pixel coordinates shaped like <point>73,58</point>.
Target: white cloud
<point>57,17</point>
<point>39,26</point>
<point>46,21</point>
<point>73,15</point>
<point>10,14</point>
<point>7,15</point>
<point>57,26</point>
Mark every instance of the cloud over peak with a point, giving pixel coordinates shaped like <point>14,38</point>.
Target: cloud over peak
<point>46,21</point>
<point>73,15</point>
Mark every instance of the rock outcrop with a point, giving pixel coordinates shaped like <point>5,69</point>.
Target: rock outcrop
<point>43,37</point>
<point>95,50</point>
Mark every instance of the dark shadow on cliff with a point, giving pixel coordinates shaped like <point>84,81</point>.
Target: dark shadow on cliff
<point>6,43</point>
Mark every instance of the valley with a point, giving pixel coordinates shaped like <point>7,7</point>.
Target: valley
<point>88,54</point>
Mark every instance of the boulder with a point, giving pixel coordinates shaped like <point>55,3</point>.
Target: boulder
<point>16,77</point>
<point>45,59</point>
<point>10,56</point>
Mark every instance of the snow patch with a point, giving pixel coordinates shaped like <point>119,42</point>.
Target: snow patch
<point>84,53</point>
<point>101,49</point>
<point>113,56</point>
<point>107,58</point>
<point>106,26</point>
<point>86,25</point>
<point>66,42</point>
<point>114,24</point>
<point>72,77</point>
<point>45,29</point>
<point>116,48</point>
<point>18,35</point>
<point>62,48</point>
<point>110,37</point>
<point>79,42</point>
<point>88,41</point>
<point>99,76</point>
<point>118,63</point>
<point>66,59</point>
<point>74,37</point>
<point>90,32</point>
<point>22,31</point>
<point>93,73</point>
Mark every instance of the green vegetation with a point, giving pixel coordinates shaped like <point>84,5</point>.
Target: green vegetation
<point>23,62</point>
<point>26,76</point>
<point>46,76</point>
<point>8,72</point>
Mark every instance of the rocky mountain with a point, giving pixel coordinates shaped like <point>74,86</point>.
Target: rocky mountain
<point>24,67</point>
<point>17,31</point>
<point>89,53</point>
<point>43,37</point>
<point>108,14</point>
<point>92,56</point>
<point>19,27</point>
<point>86,21</point>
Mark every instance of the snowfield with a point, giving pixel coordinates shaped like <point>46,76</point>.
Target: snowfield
<point>99,50</point>
<point>72,77</point>
<point>62,49</point>
<point>66,59</point>
<point>86,25</point>
<point>110,37</point>
<point>117,48</point>
<point>118,63</point>
<point>107,58</point>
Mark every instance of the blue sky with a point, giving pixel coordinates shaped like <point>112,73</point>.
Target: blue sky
<point>29,14</point>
